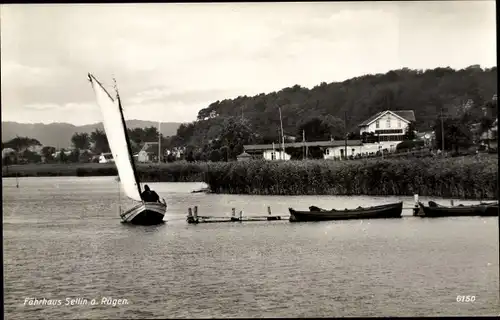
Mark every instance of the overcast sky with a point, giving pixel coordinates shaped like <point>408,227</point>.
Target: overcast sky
<point>171,60</point>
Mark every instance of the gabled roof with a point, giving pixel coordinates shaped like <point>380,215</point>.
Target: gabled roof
<point>150,147</point>
<point>407,115</point>
<point>244,155</point>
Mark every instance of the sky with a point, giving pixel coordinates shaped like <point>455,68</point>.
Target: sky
<point>171,60</point>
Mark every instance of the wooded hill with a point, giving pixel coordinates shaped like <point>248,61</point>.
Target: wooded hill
<point>355,100</point>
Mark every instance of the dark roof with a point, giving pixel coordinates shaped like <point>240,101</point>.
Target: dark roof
<point>244,155</point>
<point>334,143</point>
<point>405,114</point>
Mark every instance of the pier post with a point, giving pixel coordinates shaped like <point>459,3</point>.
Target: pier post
<point>195,213</point>
<point>233,215</point>
<point>417,207</point>
<point>241,215</point>
<point>451,202</point>
<point>190,218</point>
<point>268,210</point>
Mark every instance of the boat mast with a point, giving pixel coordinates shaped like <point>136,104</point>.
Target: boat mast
<point>131,157</point>
<point>159,143</point>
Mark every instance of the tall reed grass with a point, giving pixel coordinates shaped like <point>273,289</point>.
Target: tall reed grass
<point>465,178</point>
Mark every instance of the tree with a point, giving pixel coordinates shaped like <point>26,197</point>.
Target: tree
<point>85,157</point>
<point>74,155</point>
<point>47,153</point>
<point>410,132</point>
<point>21,143</point>
<point>215,156</point>
<point>31,157</point>
<point>62,156</point>
<point>319,128</point>
<point>456,134</point>
<point>100,141</point>
<point>81,140</point>
<point>190,156</point>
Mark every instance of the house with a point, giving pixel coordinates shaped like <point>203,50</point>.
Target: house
<point>388,128</point>
<point>388,125</point>
<point>331,149</point>
<point>490,137</point>
<point>106,158</point>
<point>267,151</point>
<point>148,153</point>
<point>336,149</point>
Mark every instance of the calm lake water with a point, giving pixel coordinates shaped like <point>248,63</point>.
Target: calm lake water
<point>63,239</point>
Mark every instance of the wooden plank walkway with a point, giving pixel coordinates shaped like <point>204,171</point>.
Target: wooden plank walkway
<point>194,218</point>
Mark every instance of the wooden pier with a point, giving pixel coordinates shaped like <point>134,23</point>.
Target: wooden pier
<point>194,218</point>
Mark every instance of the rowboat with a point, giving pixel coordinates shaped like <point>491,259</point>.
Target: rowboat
<point>142,213</point>
<point>386,211</point>
<point>434,210</point>
<point>491,209</point>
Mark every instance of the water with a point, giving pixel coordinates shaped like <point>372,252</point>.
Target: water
<point>62,239</point>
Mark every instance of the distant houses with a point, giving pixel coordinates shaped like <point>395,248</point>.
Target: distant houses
<point>332,149</point>
<point>148,153</point>
<point>387,129</point>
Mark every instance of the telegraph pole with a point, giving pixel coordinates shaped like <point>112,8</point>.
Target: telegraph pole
<point>282,135</point>
<point>159,142</point>
<point>442,133</point>
<point>345,131</point>
<point>304,142</point>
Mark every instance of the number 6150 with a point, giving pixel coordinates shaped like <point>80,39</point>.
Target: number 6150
<point>466,298</point>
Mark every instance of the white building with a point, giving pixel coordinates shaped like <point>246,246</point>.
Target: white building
<point>148,153</point>
<point>388,125</point>
<point>331,149</point>
<point>388,129</point>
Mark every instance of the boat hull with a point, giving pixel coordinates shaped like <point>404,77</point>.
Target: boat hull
<point>146,213</point>
<point>458,211</point>
<point>392,210</point>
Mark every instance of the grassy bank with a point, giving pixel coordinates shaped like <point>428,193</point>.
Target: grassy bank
<point>166,172</point>
<point>466,178</point>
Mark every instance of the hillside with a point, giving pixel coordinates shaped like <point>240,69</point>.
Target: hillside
<point>59,134</point>
<point>425,92</point>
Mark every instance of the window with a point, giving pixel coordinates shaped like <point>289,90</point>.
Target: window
<point>327,151</point>
<point>273,155</point>
<point>388,123</point>
<point>377,124</point>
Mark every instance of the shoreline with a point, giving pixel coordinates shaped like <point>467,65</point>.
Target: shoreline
<point>468,178</point>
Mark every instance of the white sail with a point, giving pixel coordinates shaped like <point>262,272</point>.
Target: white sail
<point>114,125</point>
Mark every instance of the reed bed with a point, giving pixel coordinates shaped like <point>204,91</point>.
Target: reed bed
<point>464,178</point>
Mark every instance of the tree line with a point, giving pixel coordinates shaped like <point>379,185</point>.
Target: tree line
<point>335,109</point>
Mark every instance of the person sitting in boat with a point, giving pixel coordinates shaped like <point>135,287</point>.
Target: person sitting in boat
<point>149,195</point>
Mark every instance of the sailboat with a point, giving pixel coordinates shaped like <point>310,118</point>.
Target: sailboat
<point>144,213</point>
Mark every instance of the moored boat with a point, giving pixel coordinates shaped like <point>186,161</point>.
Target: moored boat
<point>491,209</point>
<point>386,211</point>
<point>434,210</point>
